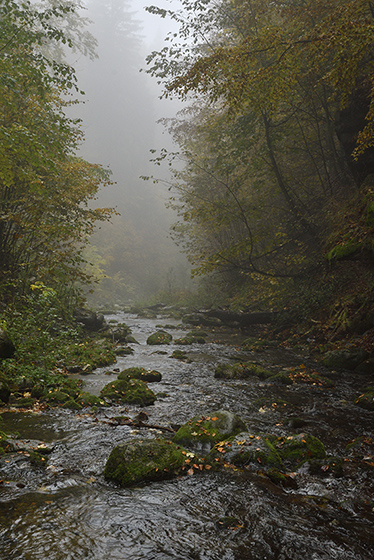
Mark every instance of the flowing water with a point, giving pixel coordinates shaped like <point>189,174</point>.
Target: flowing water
<point>68,511</point>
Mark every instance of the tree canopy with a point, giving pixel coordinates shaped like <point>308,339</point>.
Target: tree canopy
<point>46,191</point>
<point>278,133</point>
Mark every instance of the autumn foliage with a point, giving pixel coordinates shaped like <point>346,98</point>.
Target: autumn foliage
<point>276,139</point>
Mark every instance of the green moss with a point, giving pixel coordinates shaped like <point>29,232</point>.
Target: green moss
<point>182,356</point>
<point>124,351</point>
<point>347,246</point>
<point>282,378</point>
<point>276,476</point>
<point>244,449</point>
<point>209,429</point>
<point>86,399</point>
<point>241,370</point>
<point>71,404</point>
<point>140,373</point>
<point>38,459</point>
<point>194,337</point>
<point>57,397</point>
<point>296,449</point>
<point>130,391</point>
<point>159,337</point>
<point>144,461</point>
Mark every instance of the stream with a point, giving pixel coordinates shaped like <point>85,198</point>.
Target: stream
<point>67,510</point>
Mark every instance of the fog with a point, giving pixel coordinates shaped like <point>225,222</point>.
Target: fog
<point>119,120</point>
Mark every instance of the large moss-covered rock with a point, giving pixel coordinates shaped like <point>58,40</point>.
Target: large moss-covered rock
<point>146,375</point>
<point>268,451</point>
<point>297,449</point>
<point>159,337</point>
<point>144,461</point>
<point>129,391</point>
<point>89,319</point>
<point>203,432</point>
<point>193,337</point>
<point>348,358</point>
<point>86,399</point>
<point>245,449</point>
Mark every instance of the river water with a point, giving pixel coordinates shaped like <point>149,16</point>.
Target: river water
<point>68,511</point>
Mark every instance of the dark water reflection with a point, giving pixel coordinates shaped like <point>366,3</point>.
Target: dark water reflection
<point>68,511</point>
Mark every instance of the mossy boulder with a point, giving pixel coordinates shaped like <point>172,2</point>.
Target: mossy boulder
<point>120,332</point>
<point>182,356</point>
<point>347,358</point>
<point>159,337</point>
<point>241,370</point>
<point>245,449</point>
<point>194,337</point>
<point>86,399</point>
<point>147,375</point>
<point>145,461</point>
<point>203,432</point>
<point>366,400</point>
<point>57,397</point>
<point>297,449</point>
<point>124,351</point>
<point>129,391</point>
<point>268,451</point>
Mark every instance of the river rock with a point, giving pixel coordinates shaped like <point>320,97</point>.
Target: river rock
<point>129,391</point>
<point>244,449</point>
<point>348,358</point>
<point>147,375</point>
<point>89,319</point>
<point>269,451</point>
<point>7,348</point>
<point>145,461</point>
<point>203,432</point>
<point>159,337</point>
<point>241,370</point>
<point>192,338</point>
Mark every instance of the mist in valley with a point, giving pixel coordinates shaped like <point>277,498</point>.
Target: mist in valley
<point>133,256</point>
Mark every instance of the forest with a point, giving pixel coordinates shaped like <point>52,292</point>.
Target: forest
<point>270,182</point>
<point>272,179</point>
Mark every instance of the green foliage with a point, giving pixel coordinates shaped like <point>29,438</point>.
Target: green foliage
<point>45,190</point>
<point>48,345</point>
<point>263,173</point>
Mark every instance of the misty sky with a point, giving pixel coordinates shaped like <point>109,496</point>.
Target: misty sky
<point>119,121</point>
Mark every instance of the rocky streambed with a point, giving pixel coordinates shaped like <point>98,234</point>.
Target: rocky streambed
<point>56,503</point>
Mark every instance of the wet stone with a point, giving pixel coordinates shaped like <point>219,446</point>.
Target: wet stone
<point>145,461</point>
